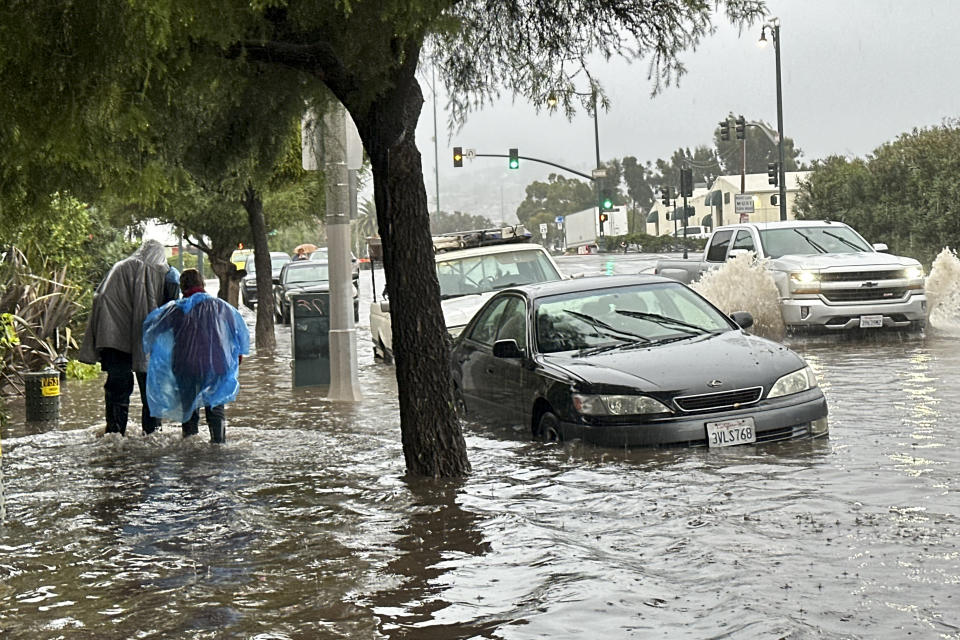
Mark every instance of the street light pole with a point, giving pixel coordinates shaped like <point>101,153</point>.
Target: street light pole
<point>774,26</point>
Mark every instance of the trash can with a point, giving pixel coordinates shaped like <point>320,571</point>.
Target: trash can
<point>310,338</point>
<point>43,395</point>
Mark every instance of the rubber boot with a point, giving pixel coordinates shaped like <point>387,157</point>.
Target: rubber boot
<point>217,424</point>
<point>116,414</point>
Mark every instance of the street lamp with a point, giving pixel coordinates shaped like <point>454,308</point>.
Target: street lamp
<point>774,27</point>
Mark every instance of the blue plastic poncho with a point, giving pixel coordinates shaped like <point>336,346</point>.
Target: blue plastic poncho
<point>194,345</point>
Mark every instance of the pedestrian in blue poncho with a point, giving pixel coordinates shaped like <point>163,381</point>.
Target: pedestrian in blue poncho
<point>196,345</point>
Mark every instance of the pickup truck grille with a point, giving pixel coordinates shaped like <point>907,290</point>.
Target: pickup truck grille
<point>719,400</point>
<point>880,294</point>
<point>847,276</point>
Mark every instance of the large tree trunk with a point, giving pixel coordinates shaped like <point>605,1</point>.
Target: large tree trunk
<point>433,443</point>
<point>229,277</point>
<point>266,341</point>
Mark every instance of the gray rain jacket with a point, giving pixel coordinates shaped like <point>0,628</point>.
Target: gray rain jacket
<point>133,288</point>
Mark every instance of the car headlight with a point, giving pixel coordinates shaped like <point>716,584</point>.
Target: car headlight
<point>914,273</point>
<point>799,380</point>
<point>804,277</point>
<point>617,405</point>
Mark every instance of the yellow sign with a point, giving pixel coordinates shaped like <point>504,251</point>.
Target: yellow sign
<point>50,386</point>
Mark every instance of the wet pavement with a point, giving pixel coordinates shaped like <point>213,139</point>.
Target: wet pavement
<point>303,526</point>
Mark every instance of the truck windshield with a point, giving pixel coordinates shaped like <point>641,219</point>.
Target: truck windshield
<point>804,241</point>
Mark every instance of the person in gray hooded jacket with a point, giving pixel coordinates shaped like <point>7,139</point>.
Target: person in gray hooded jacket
<point>132,288</point>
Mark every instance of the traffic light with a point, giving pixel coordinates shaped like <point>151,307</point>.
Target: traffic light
<point>606,201</point>
<point>603,217</point>
<point>665,196</point>
<point>686,183</point>
<point>725,130</point>
<point>458,156</point>
<point>773,173</point>
<point>514,162</point>
<point>741,128</point>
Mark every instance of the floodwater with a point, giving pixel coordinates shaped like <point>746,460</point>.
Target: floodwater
<point>303,525</point>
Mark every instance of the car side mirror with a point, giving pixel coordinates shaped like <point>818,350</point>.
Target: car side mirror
<point>385,306</point>
<point>507,349</point>
<point>275,280</point>
<point>881,247</point>
<point>743,319</point>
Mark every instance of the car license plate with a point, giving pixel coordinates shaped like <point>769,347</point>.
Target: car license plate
<point>869,322</point>
<point>730,432</point>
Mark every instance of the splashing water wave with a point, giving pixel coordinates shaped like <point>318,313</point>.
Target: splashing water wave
<point>743,284</point>
<point>943,293</point>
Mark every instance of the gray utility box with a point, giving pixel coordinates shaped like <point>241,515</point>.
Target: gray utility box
<point>310,338</point>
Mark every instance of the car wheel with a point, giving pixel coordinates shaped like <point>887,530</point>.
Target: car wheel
<point>548,430</point>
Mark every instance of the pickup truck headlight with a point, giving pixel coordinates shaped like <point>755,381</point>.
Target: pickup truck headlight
<point>804,277</point>
<point>617,405</point>
<point>795,382</point>
<point>914,273</point>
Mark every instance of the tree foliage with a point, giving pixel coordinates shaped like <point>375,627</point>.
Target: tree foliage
<point>761,149</point>
<point>904,194</point>
<point>558,196</point>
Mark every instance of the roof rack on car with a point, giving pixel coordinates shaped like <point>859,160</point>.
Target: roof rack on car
<point>480,237</point>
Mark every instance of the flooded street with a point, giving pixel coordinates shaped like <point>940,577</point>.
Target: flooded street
<point>303,526</point>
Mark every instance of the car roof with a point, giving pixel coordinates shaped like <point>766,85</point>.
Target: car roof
<point>589,283</point>
<point>302,264</point>
<point>784,224</point>
<point>459,254</point>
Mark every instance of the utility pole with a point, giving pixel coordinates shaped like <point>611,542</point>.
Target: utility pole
<point>344,384</point>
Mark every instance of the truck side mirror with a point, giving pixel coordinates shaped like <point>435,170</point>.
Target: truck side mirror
<point>881,247</point>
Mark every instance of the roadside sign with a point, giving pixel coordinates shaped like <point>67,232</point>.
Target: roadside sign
<point>558,219</point>
<point>543,229</point>
<point>470,153</point>
<point>742,203</point>
<point>599,173</point>
<point>559,225</point>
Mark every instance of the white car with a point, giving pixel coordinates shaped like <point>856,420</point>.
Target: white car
<point>693,232</point>
<point>468,278</point>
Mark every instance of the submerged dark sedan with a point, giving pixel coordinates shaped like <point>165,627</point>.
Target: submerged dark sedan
<point>630,361</point>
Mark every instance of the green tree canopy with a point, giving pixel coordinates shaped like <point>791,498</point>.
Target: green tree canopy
<point>761,149</point>
<point>558,196</point>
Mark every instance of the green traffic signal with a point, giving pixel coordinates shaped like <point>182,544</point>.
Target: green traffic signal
<point>514,162</point>
<point>607,204</point>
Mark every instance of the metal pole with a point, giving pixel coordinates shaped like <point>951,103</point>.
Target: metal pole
<point>783,187</point>
<point>436,153</point>
<point>743,162</point>
<point>344,384</point>
<point>596,143</point>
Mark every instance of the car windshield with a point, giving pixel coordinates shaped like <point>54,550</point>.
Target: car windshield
<point>804,241</point>
<point>308,273</point>
<point>636,315</point>
<point>275,263</point>
<point>490,272</point>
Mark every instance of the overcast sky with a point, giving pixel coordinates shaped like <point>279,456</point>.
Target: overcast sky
<point>856,74</point>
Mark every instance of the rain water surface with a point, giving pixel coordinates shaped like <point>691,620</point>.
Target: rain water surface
<point>303,525</point>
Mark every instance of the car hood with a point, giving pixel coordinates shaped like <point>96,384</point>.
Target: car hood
<point>307,286</point>
<point>458,311</point>
<point>861,259</point>
<point>733,359</point>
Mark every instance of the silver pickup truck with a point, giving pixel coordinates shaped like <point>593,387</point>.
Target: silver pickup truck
<point>827,274</point>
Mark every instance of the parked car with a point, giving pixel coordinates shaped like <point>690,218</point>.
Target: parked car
<point>467,278</point>
<point>321,254</point>
<point>248,286</point>
<point>626,361</point>
<point>693,232</point>
<point>239,257</point>
<point>299,276</point>
<point>828,276</point>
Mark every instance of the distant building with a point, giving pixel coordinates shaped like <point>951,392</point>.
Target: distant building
<point>660,217</point>
<point>715,206</point>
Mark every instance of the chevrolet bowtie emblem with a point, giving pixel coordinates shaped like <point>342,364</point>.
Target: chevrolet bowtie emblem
<point>869,284</point>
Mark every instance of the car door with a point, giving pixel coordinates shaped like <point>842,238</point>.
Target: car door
<point>491,385</point>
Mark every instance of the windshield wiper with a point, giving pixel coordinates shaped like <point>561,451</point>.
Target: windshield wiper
<point>612,331</point>
<point>810,241</point>
<point>852,245</point>
<point>663,320</point>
